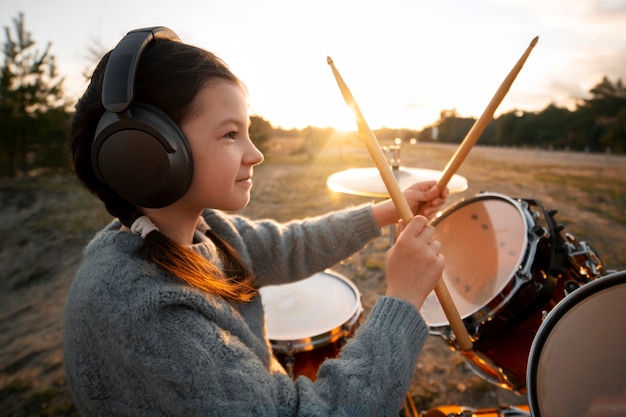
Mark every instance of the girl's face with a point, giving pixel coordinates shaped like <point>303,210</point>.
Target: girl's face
<point>223,154</point>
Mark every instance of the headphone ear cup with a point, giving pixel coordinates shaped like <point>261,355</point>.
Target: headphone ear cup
<point>143,156</point>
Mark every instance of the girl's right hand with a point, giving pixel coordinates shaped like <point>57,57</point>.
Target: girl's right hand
<point>414,262</point>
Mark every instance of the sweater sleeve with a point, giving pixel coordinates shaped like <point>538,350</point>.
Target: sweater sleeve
<point>374,370</point>
<point>280,253</point>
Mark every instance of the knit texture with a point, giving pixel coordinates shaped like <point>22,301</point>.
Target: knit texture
<point>140,342</point>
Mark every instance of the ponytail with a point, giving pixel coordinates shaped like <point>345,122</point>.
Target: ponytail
<point>234,284</point>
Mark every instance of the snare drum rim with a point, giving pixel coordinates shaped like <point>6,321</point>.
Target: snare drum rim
<point>289,347</point>
<point>305,344</point>
<point>508,289</point>
<point>557,314</point>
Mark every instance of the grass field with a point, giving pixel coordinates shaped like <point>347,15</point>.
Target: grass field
<point>47,220</point>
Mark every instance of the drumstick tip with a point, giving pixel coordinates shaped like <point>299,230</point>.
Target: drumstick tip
<point>329,60</point>
<point>534,41</point>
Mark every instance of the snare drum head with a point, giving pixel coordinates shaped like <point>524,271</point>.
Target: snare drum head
<point>483,241</point>
<point>577,363</point>
<point>310,307</point>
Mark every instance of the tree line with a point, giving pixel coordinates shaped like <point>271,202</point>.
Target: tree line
<point>35,117</point>
<point>596,124</point>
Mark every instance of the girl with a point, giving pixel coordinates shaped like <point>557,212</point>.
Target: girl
<point>164,316</point>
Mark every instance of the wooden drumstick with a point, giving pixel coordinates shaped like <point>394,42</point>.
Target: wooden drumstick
<point>480,124</point>
<point>376,153</point>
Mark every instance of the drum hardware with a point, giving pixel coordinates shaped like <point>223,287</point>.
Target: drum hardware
<point>539,231</point>
<point>570,287</point>
<point>289,358</point>
<point>393,153</point>
<point>514,271</point>
<point>587,266</point>
<point>461,411</point>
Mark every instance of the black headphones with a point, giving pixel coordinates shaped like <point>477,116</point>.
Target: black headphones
<point>138,151</point>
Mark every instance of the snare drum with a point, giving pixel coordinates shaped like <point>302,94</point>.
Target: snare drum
<point>309,320</point>
<point>506,263</point>
<point>577,363</point>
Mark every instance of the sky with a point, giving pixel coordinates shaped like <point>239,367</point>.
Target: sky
<point>403,60</point>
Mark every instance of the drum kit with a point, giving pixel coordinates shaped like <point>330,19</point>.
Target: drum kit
<point>543,314</point>
<point>530,308</point>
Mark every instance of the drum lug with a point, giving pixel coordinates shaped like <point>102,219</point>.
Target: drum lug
<point>525,276</point>
<point>539,231</point>
<point>289,365</point>
<point>584,259</point>
<point>570,287</point>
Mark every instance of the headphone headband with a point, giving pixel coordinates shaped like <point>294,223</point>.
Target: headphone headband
<point>119,76</point>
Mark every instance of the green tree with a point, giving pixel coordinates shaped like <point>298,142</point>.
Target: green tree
<point>506,127</point>
<point>614,136</point>
<point>29,88</point>
<point>548,128</point>
<point>452,127</point>
<point>607,106</point>
<point>260,132</point>
<point>607,99</point>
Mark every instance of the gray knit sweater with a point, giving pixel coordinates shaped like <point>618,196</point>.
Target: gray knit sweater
<point>140,342</point>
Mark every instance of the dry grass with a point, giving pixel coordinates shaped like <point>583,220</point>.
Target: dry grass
<point>46,221</point>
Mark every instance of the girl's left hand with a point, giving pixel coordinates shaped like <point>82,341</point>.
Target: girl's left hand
<point>426,191</point>
<point>385,213</point>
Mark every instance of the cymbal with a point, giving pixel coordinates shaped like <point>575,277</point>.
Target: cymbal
<point>367,182</point>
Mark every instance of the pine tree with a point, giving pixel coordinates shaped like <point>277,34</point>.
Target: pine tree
<point>29,88</point>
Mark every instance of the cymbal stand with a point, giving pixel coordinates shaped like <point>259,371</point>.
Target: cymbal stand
<point>393,154</point>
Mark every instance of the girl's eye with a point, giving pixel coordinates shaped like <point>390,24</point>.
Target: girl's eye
<point>231,135</point>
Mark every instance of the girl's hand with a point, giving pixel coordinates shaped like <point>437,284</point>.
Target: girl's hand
<point>426,191</point>
<point>385,213</point>
<point>414,263</point>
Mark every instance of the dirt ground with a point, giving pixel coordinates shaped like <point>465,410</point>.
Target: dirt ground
<point>46,222</point>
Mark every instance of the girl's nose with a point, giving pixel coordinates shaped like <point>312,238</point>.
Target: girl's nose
<point>254,156</point>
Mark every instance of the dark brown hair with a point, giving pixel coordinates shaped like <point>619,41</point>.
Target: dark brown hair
<point>169,75</point>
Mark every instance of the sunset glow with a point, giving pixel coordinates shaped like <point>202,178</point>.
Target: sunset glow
<point>404,61</point>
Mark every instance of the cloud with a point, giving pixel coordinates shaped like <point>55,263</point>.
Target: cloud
<point>609,7</point>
